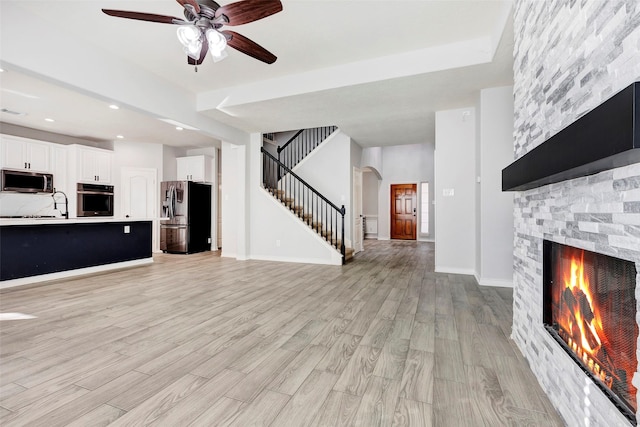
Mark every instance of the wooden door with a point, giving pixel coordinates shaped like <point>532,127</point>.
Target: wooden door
<point>403,211</point>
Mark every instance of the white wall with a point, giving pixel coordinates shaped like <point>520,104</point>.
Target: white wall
<point>372,158</point>
<point>455,170</point>
<point>370,189</point>
<point>478,199</point>
<point>355,157</point>
<point>328,169</point>
<point>404,164</point>
<point>232,196</point>
<point>134,155</point>
<point>496,207</point>
<point>169,164</point>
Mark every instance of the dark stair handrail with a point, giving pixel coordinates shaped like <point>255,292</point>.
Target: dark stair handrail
<point>302,143</point>
<point>307,202</point>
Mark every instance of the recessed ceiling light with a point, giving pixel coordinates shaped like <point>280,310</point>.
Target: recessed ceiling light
<point>114,107</point>
<point>49,120</point>
<point>1,70</point>
<point>179,128</point>
<point>120,136</point>
<point>176,123</point>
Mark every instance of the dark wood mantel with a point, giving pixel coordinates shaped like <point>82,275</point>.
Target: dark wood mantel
<point>605,138</point>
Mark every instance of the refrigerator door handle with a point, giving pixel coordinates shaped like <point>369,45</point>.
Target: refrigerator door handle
<point>172,201</point>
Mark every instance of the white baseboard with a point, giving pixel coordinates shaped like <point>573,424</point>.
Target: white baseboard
<point>335,261</point>
<point>501,283</point>
<point>72,273</point>
<point>455,270</point>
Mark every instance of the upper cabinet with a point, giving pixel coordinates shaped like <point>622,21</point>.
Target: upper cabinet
<point>195,168</point>
<point>59,167</point>
<point>21,153</point>
<point>93,165</point>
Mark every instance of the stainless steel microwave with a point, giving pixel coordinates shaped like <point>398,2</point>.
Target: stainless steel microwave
<point>26,181</point>
<point>95,200</point>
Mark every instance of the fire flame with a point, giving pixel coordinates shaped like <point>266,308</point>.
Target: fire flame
<point>585,317</point>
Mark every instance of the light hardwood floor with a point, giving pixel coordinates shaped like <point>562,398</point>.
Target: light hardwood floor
<point>205,341</point>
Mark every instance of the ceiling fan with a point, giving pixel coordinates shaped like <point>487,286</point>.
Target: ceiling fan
<point>201,31</point>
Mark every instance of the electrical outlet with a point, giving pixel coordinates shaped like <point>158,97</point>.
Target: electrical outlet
<point>127,229</point>
<point>277,243</point>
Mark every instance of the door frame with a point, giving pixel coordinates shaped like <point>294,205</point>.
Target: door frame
<point>358,244</point>
<point>391,203</point>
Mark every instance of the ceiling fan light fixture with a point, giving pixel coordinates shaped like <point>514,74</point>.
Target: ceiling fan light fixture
<point>191,38</point>
<point>217,42</point>
<point>193,49</point>
<point>217,57</point>
<point>188,34</point>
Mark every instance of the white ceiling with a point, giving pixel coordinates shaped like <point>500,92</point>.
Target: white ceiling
<point>377,69</point>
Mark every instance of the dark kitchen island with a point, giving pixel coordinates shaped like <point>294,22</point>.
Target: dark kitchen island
<point>33,250</point>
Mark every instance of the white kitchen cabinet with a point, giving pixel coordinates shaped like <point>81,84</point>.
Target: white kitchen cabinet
<point>93,164</point>
<point>22,153</point>
<point>59,168</point>
<point>194,168</point>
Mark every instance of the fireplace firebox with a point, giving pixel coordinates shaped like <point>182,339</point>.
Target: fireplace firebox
<point>590,309</point>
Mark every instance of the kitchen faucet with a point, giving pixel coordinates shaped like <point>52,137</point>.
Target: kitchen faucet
<point>66,202</point>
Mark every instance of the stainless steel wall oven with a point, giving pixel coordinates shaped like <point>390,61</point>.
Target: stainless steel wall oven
<point>95,200</point>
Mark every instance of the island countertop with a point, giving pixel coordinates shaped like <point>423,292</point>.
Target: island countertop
<point>59,220</point>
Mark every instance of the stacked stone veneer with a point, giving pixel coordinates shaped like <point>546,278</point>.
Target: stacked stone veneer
<point>570,56</point>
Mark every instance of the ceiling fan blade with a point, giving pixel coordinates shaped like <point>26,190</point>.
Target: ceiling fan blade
<point>203,54</point>
<point>245,11</point>
<point>193,3</point>
<point>249,47</point>
<point>139,16</point>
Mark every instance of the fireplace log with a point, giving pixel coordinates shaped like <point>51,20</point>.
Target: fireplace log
<point>585,307</point>
<point>591,338</point>
<point>569,299</point>
<point>580,303</point>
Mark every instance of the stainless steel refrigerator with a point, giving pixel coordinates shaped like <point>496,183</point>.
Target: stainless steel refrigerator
<point>186,205</point>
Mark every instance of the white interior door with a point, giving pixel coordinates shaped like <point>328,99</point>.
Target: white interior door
<point>140,196</point>
<point>357,210</point>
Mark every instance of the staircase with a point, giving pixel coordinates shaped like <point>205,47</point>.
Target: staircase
<point>311,207</point>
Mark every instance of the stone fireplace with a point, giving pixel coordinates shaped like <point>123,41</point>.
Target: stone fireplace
<point>569,58</point>
<point>577,220</point>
